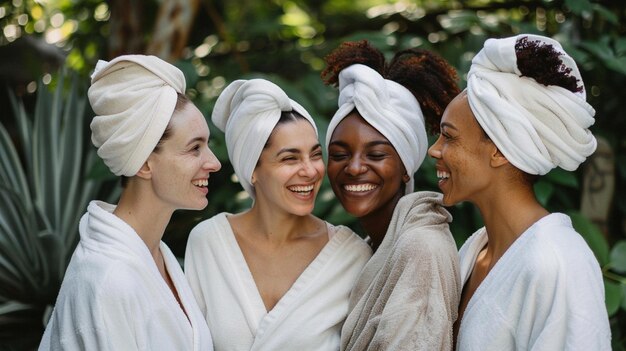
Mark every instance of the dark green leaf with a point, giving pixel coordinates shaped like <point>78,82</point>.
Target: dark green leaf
<point>613,296</point>
<point>543,191</point>
<point>592,235</point>
<point>618,256</point>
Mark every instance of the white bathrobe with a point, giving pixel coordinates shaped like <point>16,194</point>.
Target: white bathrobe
<point>545,293</point>
<point>114,298</point>
<point>308,317</point>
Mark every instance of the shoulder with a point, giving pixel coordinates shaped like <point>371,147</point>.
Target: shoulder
<point>555,243</point>
<point>102,281</point>
<point>205,228</point>
<point>423,208</point>
<point>349,239</point>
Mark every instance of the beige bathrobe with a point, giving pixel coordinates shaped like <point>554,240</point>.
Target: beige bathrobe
<point>407,295</point>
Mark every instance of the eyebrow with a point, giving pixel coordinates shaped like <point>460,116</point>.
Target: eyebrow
<point>295,150</point>
<point>201,139</point>
<point>370,144</point>
<point>448,125</point>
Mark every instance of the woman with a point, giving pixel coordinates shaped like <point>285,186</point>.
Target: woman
<point>274,277</point>
<point>123,289</point>
<point>530,282</point>
<point>406,297</point>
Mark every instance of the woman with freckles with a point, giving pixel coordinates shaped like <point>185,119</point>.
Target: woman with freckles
<point>123,288</point>
<point>530,282</point>
<point>406,296</point>
<point>274,277</point>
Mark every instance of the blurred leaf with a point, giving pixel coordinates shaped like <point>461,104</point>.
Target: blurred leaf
<point>592,235</point>
<point>562,177</point>
<point>623,304</point>
<point>579,6</point>
<point>613,296</point>
<point>618,256</point>
<point>543,191</point>
<point>607,14</point>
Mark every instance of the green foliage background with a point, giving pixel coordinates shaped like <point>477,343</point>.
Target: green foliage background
<point>44,189</point>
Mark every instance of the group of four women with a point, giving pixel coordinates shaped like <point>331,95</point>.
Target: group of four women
<point>276,277</point>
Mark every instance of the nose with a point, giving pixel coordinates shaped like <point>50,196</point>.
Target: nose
<point>435,150</point>
<point>212,164</point>
<point>308,168</point>
<point>355,166</point>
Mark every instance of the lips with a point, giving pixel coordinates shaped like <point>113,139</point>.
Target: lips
<point>301,189</point>
<point>200,182</point>
<point>359,188</point>
<point>442,174</point>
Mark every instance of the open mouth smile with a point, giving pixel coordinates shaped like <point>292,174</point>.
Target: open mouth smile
<point>359,188</point>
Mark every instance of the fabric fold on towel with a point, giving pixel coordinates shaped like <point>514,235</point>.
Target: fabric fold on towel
<point>134,97</point>
<point>407,295</point>
<point>536,127</point>
<point>388,107</point>
<point>307,318</point>
<point>247,112</point>
<point>114,298</point>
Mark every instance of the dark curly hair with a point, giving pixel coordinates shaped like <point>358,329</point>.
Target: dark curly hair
<point>430,78</point>
<point>541,62</point>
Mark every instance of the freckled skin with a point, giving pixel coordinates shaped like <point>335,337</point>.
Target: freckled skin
<point>463,151</point>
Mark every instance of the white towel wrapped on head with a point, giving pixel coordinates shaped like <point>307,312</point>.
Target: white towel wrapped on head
<point>134,97</point>
<point>536,127</point>
<point>247,112</point>
<point>388,107</point>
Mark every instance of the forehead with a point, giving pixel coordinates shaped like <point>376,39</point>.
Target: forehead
<point>298,133</point>
<point>189,123</point>
<point>459,115</point>
<point>355,128</point>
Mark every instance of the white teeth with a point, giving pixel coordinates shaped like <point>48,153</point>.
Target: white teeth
<point>360,187</point>
<point>443,174</point>
<point>301,188</point>
<point>200,182</point>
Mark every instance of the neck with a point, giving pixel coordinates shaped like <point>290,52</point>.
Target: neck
<point>146,215</point>
<point>375,224</point>
<point>277,226</point>
<point>507,214</point>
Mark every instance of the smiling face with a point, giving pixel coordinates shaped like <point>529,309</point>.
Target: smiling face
<point>290,169</point>
<point>462,152</point>
<point>364,169</point>
<point>180,168</point>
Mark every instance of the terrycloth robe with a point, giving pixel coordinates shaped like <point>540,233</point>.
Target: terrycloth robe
<point>308,317</point>
<point>408,293</point>
<point>545,293</point>
<point>114,298</point>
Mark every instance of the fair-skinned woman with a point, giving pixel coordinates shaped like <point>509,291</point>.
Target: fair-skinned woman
<point>124,289</point>
<point>274,277</point>
<point>530,282</point>
<point>406,296</point>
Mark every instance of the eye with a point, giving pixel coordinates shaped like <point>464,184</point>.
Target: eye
<point>317,155</point>
<point>337,156</point>
<point>376,155</point>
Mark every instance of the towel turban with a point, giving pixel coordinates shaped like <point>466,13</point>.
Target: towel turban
<point>133,97</point>
<point>536,127</point>
<point>247,112</point>
<point>388,107</point>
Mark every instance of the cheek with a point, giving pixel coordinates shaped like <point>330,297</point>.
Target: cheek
<point>333,169</point>
<point>319,167</point>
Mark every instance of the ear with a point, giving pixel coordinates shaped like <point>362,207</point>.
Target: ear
<point>145,172</point>
<point>497,159</point>
<point>253,178</point>
<point>406,178</point>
